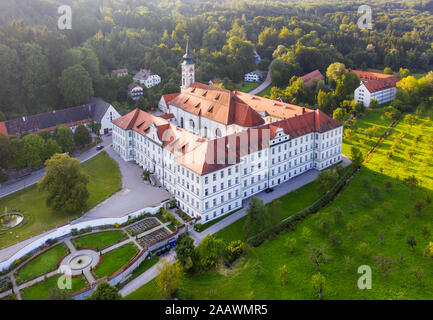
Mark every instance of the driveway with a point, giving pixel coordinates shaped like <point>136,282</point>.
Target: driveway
<point>135,193</point>
<point>263,85</point>
<point>16,185</point>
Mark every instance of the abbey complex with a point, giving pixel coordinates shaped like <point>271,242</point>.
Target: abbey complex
<point>212,148</point>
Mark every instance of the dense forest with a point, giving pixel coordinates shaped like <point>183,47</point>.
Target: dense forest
<point>44,68</point>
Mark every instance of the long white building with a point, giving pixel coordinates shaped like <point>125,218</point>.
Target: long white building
<point>215,147</point>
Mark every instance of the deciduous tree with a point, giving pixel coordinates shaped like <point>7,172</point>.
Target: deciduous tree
<point>66,184</point>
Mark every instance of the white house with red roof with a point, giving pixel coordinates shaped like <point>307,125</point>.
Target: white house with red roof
<point>119,73</point>
<point>214,148</point>
<point>375,85</point>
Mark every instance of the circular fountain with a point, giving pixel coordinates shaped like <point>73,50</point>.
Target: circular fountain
<point>10,220</point>
<point>80,262</point>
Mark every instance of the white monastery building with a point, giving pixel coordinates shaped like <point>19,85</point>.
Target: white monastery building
<point>147,78</point>
<point>214,147</point>
<point>375,85</point>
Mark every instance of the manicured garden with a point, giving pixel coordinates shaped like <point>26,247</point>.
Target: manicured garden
<point>99,240</point>
<point>378,220</point>
<point>42,264</point>
<point>42,290</point>
<point>114,260</point>
<point>105,179</point>
<point>142,226</point>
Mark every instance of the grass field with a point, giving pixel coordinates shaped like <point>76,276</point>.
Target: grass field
<point>246,86</point>
<point>41,290</point>
<point>100,240</point>
<point>371,118</point>
<point>378,218</point>
<point>291,202</point>
<point>105,179</point>
<point>145,265</point>
<point>265,92</point>
<point>114,260</point>
<point>42,264</point>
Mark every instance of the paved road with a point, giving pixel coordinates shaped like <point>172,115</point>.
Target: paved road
<point>14,186</point>
<point>278,192</point>
<point>147,276</point>
<point>263,85</point>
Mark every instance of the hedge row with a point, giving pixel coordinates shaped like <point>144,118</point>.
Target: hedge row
<point>290,223</point>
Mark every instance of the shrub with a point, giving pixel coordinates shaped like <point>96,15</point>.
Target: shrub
<point>234,250</point>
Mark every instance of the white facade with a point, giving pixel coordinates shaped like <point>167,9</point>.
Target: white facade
<point>362,94</point>
<point>136,92</point>
<point>254,76</point>
<point>219,192</point>
<point>147,78</point>
<point>106,121</point>
<point>217,189</point>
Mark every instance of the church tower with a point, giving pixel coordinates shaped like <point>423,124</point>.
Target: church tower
<point>188,70</point>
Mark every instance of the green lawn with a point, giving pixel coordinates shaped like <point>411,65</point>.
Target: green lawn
<point>100,240</point>
<point>246,86</point>
<point>265,92</point>
<point>41,290</point>
<point>105,179</point>
<point>114,260</point>
<point>291,202</point>
<point>371,117</point>
<point>42,264</point>
<point>382,219</point>
<point>144,266</point>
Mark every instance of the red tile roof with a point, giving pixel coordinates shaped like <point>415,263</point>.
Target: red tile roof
<point>381,84</point>
<point>119,71</point>
<point>312,75</point>
<point>167,116</point>
<point>229,107</point>
<point>204,156</point>
<point>3,129</point>
<point>169,97</point>
<point>365,75</point>
<point>133,85</point>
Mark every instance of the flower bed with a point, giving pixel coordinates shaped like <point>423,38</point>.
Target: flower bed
<point>142,226</point>
<point>153,237</point>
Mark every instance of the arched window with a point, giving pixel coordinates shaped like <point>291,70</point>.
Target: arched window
<point>191,124</point>
<point>205,132</point>
<point>218,133</point>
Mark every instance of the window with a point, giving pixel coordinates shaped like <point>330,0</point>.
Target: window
<point>218,133</point>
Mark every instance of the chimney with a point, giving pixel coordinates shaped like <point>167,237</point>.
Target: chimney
<point>24,119</point>
<point>303,110</point>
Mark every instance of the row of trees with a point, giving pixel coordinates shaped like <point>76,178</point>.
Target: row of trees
<point>32,150</point>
